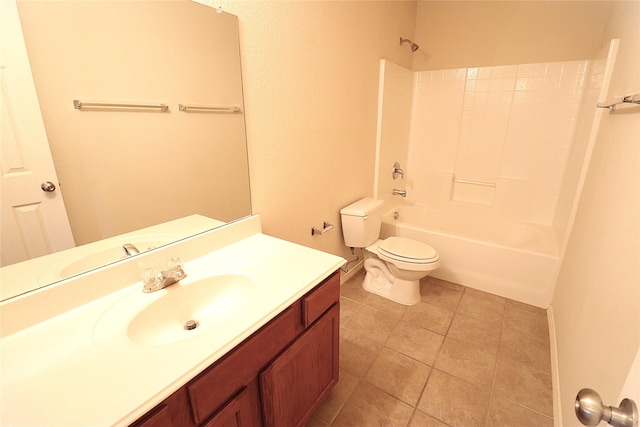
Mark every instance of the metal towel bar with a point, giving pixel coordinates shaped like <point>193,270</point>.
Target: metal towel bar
<point>78,105</point>
<point>210,108</point>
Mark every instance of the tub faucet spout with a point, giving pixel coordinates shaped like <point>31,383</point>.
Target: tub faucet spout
<point>397,192</point>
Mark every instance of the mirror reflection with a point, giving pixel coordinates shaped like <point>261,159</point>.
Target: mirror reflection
<point>130,166</point>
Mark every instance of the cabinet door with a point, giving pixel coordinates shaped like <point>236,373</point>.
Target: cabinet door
<point>298,380</point>
<point>236,413</point>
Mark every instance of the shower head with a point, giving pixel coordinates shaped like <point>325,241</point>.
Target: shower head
<point>414,46</point>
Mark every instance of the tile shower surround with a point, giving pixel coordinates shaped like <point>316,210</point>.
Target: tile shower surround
<point>460,357</point>
<point>510,125</point>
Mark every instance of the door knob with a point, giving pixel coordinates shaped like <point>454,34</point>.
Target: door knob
<point>48,186</point>
<point>590,410</point>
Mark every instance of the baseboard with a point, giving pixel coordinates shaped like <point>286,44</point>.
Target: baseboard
<point>353,270</point>
<point>555,373</point>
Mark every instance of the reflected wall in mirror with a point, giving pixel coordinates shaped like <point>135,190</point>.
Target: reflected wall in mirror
<point>124,169</point>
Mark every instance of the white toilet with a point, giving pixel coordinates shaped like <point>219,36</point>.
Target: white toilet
<point>394,265</point>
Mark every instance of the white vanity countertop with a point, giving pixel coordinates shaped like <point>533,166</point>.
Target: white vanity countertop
<point>59,372</point>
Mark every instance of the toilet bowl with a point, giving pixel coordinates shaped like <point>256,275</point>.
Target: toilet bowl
<point>394,265</point>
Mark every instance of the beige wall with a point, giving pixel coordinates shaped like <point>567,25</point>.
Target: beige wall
<point>597,301</point>
<point>311,88</point>
<point>457,34</point>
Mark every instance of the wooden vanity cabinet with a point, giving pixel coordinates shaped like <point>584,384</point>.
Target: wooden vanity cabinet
<point>300,378</point>
<point>276,377</point>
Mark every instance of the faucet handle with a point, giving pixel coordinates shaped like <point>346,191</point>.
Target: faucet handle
<point>397,171</point>
<point>152,280</point>
<point>175,262</point>
<point>176,267</point>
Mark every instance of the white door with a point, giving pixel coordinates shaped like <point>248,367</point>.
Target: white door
<point>591,409</point>
<point>34,221</point>
<point>631,388</point>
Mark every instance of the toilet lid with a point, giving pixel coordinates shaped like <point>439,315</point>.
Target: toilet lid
<point>408,250</point>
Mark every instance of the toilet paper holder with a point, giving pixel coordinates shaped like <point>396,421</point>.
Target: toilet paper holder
<point>325,227</point>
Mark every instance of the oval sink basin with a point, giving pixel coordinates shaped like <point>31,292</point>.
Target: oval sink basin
<point>207,302</point>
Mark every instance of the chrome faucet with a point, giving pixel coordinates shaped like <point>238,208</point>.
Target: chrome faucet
<point>130,250</point>
<point>155,280</point>
<point>397,192</point>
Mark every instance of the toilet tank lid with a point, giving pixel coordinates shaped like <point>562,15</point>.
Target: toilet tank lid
<point>362,207</point>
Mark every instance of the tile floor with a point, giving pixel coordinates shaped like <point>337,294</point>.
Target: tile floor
<point>460,357</point>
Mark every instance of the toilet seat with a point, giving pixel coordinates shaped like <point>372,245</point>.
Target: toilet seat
<point>407,250</point>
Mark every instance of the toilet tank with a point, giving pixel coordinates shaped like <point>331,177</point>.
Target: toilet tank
<point>361,222</point>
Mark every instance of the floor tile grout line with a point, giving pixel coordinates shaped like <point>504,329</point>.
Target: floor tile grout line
<point>384,345</point>
<point>492,393</point>
<point>424,387</point>
<point>364,380</point>
<point>353,314</point>
<point>360,304</point>
<point>528,408</point>
<point>420,398</point>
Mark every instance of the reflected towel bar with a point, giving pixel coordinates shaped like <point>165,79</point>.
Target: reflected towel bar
<point>466,181</point>
<point>211,108</point>
<point>628,99</point>
<point>79,105</point>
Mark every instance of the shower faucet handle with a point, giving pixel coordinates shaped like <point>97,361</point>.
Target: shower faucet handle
<point>397,171</point>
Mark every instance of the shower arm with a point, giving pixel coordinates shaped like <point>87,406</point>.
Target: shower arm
<point>414,46</point>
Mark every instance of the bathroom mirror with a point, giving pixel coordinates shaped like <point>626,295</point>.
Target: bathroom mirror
<point>123,169</point>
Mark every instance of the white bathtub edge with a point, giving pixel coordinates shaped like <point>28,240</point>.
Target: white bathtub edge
<point>555,374</point>
<point>509,272</point>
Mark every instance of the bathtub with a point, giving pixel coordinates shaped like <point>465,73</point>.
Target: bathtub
<point>514,260</point>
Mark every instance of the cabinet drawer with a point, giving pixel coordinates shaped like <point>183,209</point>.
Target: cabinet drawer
<point>320,299</point>
<point>216,385</point>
